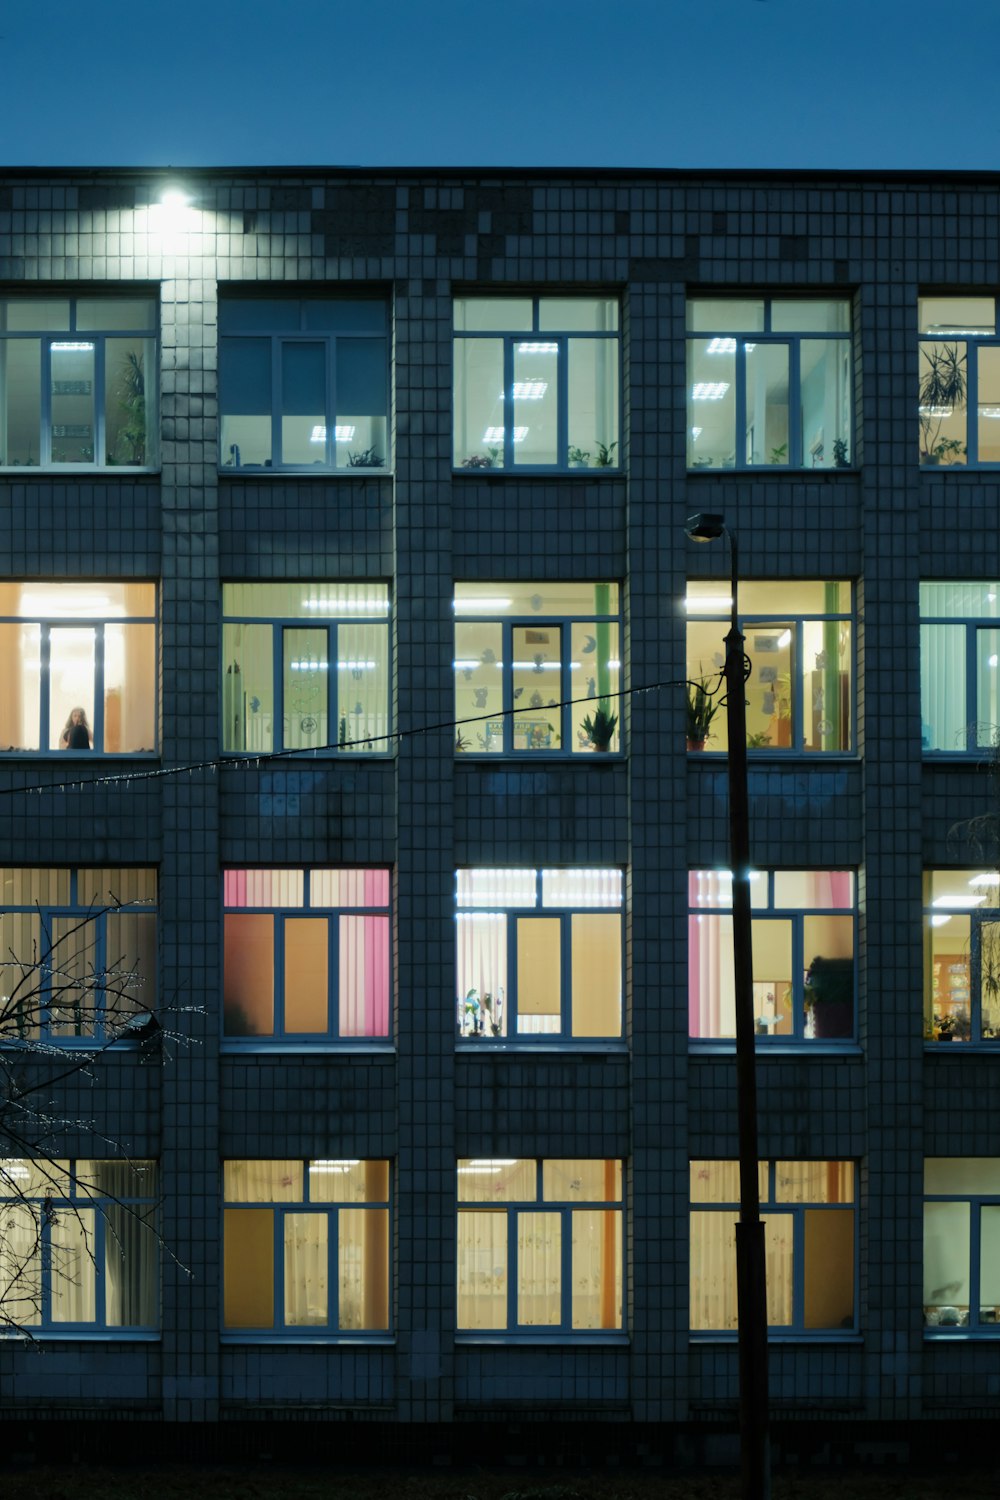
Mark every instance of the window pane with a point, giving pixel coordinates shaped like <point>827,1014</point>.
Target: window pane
<point>772,977</point>
<point>34,887</point>
<point>962,1175</point>
<point>583,314</point>
<point>260,315</point>
<point>131,965</point>
<point>348,1181</point>
<point>534,598</point>
<point>800,315</point>
<point>132,1268</point>
<point>539,974</point>
<point>825,391</point>
<point>826,684</point>
<point>711,1002</point>
<point>307,1290</point>
<point>968,315</point>
<point>249,1268</point>
<point>307,982</point>
<point>344,315</point>
<point>496,887</point>
<point>582,888</point>
<point>363,687</point>
<point>581,1181</point>
<point>493,314</point>
<point>989,406</point>
<point>73,1273</point>
<point>948,977</point>
<point>72,392</point>
<point>20,401</point>
<point>595,665</point>
<point>779,1268</point>
<point>71,689</point>
<point>597,975</point>
<point>20,686</point>
<point>496,1180</point>
<point>711,408</point>
<point>713,1271</point>
<point>989,978</point>
<point>245,402</point>
<point>247,687</point>
<point>129,688</point>
<point>362,399</point>
<point>987,690</point>
<point>725,315</point>
<point>21,1263</point>
<point>363,1266</point>
<point>364,976</point>
<point>535,402</point>
<point>76,988</point>
<point>942,687</point>
<point>989,1263</point>
<point>115,312</point>
<point>248,975</point>
<point>539,1269</point>
<point>830,889</point>
<point>597,1269</point>
<point>481,974</point>
<point>772,686</point>
<point>537,681</point>
<point>20,935</point>
<point>828,948</point>
<point>941,407</point>
<point>35,313</point>
<point>262,1181</point>
<point>946,1261</point>
<point>767,431</point>
<point>348,888</point>
<point>829,1268</point>
<point>306,668</point>
<point>479,686</point>
<point>814,1182</point>
<point>478,403</point>
<point>593,403</point>
<point>127,365</point>
<point>303,403</point>
<point>482,1270</point>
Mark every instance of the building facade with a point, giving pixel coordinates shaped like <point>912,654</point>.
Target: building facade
<point>358,705</point>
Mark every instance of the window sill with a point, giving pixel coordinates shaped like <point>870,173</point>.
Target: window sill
<point>715,470</point>
<point>958,1335</point>
<point>57,1046</point>
<point>92,471</point>
<point>320,1340</point>
<point>773,753</point>
<point>326,753</point>
<point>984,1048</point>
<point>85,1335</point>
<point>792,1047</point>
<point>282,1047</point>
<point>55,756</point>
<point>536,473</point>
<point>565,1339</point>
<point>504,1046</point>
<point>314,472</point>
<point>534,757</point>
<point>785,1336</point>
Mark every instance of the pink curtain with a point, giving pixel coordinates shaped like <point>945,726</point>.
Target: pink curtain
<point>364,976</point>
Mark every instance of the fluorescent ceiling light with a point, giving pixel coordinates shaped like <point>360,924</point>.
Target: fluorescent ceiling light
<point>65,346</point>
<point>958,903</point>
<point>784,639</point>
<point>342,434</point>
<point>357,666</point>
<point>936,411</point>
<point>722,346</point>
<point>529,390</point>
<point>495,434</point>
<point>946,328</point>
<point>488,1166</point>
<point>475,605</point>
<point>537,347</point>
<point>309,666</point>
<point>939,921</point>
<point>369,606</point>
<point>334,1166</point>
<point>709,390</point>
<point>695,604</point>
<point>993,412</point>
<point>696,433</point>
<point>988,877</point>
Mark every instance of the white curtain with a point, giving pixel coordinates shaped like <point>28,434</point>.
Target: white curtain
<point>482,1269</point>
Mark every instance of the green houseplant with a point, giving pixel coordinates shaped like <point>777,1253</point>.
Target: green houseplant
<point>702,708</point>
<point>600,726</point>
<point>943,391</point>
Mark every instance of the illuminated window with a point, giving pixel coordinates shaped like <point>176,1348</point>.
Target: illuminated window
<point>959,672</point>
<point>537,668</point>
<point>539,955</point>
<point>962,1245</point>
<point>306,1247</point>
<point>536,383</point>
<point>803,955</point>
<point>769,383</point>
<point>540,1246</point>
<point>78,381</point>
<point>80,1248</point>
<point>958,394</point>
<point>306,955</point>
<point>304,383</point>
<point>799,638</point>
<point>305,666</point>
<point>810,1245</point>
<point>962,956</point>
<point>77,954</point>
<point>79,668</point>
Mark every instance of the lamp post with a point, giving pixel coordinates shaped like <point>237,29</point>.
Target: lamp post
<point>751,1292</point>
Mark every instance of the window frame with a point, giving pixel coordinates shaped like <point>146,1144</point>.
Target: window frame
<point>99,625</point>
<point>509,712</point>
<point>971,625</point>
<point>563,464</point>
<point>795,620</point>
<point>330,1332</point>
<point>771,1207</point>
<point>564,1038</point>
<point>80,914</point>
<point>279,1038</point>
<point>331,622</point>
<point>98,337</point>
<point>328,338</point>
<point>973,342</point>
<point>98,1242</point>
<point>975,1327</point>
<point>971,981</point>
<point>796,917</point>
<point>767,336</point>
<point>564,1209</point>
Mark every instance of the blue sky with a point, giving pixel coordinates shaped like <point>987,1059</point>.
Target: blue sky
<point>678,83</point>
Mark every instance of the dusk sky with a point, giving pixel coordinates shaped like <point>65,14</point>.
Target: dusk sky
<point>647,83</point>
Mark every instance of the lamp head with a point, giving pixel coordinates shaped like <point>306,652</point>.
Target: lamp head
<point>705,527</point>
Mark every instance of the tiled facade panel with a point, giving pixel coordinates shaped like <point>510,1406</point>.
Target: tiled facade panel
<point>884,1103</point>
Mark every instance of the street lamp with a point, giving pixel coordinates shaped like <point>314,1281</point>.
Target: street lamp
<point>751,1291</point>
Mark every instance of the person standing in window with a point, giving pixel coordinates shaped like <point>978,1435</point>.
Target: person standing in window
<point>76,734</point>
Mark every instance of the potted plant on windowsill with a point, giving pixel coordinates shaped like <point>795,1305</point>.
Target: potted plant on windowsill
<point>942,391</point>
<point>702,708</point>
<point>829,997</point>
<point>600,726</point>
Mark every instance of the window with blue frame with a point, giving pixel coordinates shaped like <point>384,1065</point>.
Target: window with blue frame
<point>958,400</point>
<point>306,1247</point>
<point>537,668</point>
<point>810,1245</point>
<point>80,1248</point>
<point>959,652</point>
<point>305,666</point>
<point>79,668</point>
<point>799,637</point>
<point>78,385</point>
<point>962,1245</point>
<point>803,932</point>
<point>77,954</point>
<point>962,956</point>
<point>539,955</point>
<point>304,383</point>
<point>537,382</point>
<point>769,382</point>
<point>540,1246</point>
<point>306,955</point>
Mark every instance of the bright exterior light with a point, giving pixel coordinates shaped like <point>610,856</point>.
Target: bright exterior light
<point>174,198</point>
<point>709,390</point>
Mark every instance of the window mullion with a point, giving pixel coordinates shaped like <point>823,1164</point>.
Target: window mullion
<point>276,398</point>
<point>99,646</point>
<point>278,1319</point>
<point>513,1269</point>
<point>796,445</point>
<point>507,685</point>
<point>331,401</point>
<point>740,403</point>
<point>562,402</point>
<point>45,670</point>
<point>279,974</point>
<point>45,436</point>
<point>972,402</point>
<point>333,1269</point>
<point>97,405</point>
<point>565,975</point>
<point>333,975</point>
<point>508,401</point>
